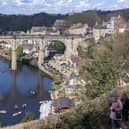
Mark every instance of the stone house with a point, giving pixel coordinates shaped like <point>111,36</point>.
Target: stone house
<point>44,30</point>
<point>60,25</point>
<point>38,30</point>
<point>62,104</point>
<point>117,25</point>
<point>99,31</point>
<point>77,29</point>
<point>121,25</point>
<point>52,31</point>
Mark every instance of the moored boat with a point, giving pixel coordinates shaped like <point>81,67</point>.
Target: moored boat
<point>16,114</point>
<point>44,101</point>
<point>3,111</point>
<point>16,106</point>
<point>24,105</point>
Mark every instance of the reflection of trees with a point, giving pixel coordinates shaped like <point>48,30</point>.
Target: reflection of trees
<point>13,90</point>
<point>40,85</point>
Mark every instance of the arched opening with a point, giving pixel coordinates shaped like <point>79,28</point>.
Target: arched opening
<point>54,48</point>
<point>30,49</point>
<point>4,44</point>
<point>5,47</point>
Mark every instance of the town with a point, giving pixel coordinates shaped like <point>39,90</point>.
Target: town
<point>66,63</point>
<point>53,71</point>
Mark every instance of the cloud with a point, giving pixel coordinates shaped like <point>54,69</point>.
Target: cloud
<point>58,6</point>
<point>121,1</point>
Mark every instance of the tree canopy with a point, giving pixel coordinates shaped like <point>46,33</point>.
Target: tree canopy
<point>58,46</point>
<point>56,82</point>
<point>28,117</point>
<point>19,52</point>
<point>24,22</point>
<point>89,17</point>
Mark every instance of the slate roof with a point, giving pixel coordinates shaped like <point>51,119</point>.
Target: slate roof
<point>62,102</point>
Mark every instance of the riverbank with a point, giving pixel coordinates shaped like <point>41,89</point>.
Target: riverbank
<point>50,121</point>
<point>30,62</point>
<point>33,63</point>
<point>26,86</point>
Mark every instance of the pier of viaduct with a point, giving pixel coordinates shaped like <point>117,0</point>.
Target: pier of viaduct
<point>71,44</point>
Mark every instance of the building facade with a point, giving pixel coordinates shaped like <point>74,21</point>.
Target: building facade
<point>98,32</point>
<point>38,30</point>
<point>77,29</point>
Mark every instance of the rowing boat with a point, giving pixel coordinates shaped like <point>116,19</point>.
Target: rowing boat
<point>16,114</point>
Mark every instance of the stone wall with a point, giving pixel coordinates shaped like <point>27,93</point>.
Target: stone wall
<point>36,124</point>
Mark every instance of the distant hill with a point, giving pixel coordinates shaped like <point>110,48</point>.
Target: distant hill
<point>92,16</point>
<point>25,22</point>
<point>105,15</point>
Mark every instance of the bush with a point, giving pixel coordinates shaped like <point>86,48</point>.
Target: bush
<point>59,46</point>
<point>28,117</point>
<point>56,82</point>
<point>19,53</point>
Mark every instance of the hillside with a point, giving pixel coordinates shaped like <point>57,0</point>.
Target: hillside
<point>91,17</point>
<point>25,22</point>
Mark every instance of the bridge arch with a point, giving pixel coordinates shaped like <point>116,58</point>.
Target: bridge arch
<point>54,47</point>
<point>70,42</point>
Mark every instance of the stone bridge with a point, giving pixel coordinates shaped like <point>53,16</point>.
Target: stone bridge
<point>71,43</point>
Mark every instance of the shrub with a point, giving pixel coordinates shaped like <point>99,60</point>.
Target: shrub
<point>28,117</point>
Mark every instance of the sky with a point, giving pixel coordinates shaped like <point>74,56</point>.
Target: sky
<point>58,6</point>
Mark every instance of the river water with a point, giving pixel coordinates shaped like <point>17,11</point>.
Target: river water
<point>16,88</point>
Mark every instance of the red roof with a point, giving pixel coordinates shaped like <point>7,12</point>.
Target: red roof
<point>122,24</point>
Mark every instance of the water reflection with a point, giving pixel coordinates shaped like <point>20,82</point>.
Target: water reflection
<point>43,89</point>
<point>15,87</point>
<point>40,86</point>
<point>23,83</point>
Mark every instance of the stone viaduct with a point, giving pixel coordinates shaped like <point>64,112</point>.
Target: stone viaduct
<point>71,44</point>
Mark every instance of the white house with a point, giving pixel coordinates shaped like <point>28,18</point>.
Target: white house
<point>5,45</point>
<point>29,49</point>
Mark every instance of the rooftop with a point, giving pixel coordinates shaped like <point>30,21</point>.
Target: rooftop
<point>76,26</point>
<point>62,102</point>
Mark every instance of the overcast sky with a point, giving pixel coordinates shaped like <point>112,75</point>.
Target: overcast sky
<point>58,6</point>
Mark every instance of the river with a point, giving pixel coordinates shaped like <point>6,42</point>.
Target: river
<point>16,88</point>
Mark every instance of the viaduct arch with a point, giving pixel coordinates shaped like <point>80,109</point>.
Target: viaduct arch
<point>71,44</point>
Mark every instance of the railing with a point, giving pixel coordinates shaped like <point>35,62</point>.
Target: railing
<point>32,36</point>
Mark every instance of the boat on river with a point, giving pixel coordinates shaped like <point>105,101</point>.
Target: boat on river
<point>44,101</point>
<point>3,111</point>
<point>24,105</point>
<point>17,113</point>
<point>45,109</point>
<point>16,106</point>
<point>33,93</point>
